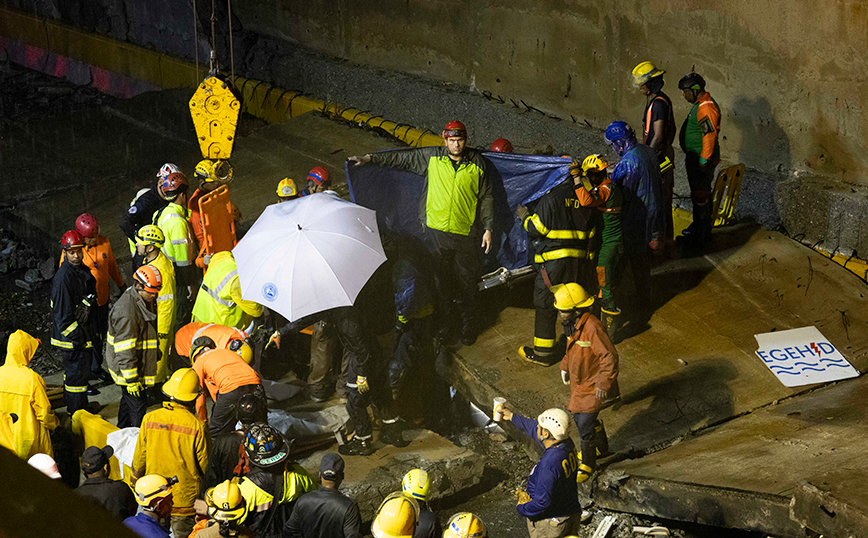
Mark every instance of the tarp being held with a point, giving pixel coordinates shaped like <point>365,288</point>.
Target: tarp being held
<point>516,179</point>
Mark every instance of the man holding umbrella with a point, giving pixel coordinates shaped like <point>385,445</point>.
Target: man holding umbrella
<point>456,196</point>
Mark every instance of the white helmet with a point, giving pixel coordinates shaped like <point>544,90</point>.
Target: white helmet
<point>556,421</point>
<point>167,169</point>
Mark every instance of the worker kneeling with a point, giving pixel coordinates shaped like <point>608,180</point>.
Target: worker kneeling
<point>590,368</point>
<point>551,502</point>
<point>227,377</point>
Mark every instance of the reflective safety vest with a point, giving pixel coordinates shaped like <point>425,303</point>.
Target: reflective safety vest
<point>219,299</point>
<point>561,227</point>
<point>132,352</point>
<point>180,246</point>
<point>296,481</point>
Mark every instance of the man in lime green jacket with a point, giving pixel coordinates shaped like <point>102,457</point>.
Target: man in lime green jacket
<point>457,197</point>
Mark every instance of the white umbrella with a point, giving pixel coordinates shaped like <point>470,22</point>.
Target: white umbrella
<point>308,255</point>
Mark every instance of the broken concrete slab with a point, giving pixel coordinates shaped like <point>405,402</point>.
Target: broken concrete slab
<point>369,479</point>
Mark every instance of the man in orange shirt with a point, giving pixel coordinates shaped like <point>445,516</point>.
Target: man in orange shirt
<point>222,336</point>
<point>99,258</point>
<point>227,377</point>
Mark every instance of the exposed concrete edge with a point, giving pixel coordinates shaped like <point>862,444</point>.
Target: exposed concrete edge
<point>706,505</point>
<point>824,514</point>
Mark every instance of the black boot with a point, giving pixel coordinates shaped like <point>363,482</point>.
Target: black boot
<point>527,353</point>
<point>600,439</point>
<point>587,460</point>
<point>611,321</point>
<point>357,447</point>
<point>393,434</point>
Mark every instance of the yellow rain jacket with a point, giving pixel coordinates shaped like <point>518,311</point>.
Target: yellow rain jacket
<point>219,299</point>
<point>22,391</point>
<point>166,312</point>
<point>173,442</point>
<point>7,435</point>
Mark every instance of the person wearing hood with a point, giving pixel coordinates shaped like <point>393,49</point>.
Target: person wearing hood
<point>22,392</point>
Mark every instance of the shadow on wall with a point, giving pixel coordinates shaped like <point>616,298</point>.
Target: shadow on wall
<point>762,141</point>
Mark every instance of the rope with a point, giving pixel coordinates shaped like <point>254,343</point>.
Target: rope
<point>196,39</point>
<point>213,40</point>
<point>231,47</point>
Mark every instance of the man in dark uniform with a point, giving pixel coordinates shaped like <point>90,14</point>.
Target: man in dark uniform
<point>141,210</point>
<point>113,495</point>
<point>326,512</point>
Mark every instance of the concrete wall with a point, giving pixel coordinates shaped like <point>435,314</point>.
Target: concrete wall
<point>790,76</point>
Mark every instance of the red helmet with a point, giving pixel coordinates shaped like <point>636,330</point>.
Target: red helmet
<point>318,175</point>
<point>150,278</point>
<point>502,145</point>
<point>455,128</point>
<point>71,239</point>
<point>172,185</point>
<point>87,225</point>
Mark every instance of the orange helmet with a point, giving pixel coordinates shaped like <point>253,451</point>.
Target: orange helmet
<point>150,278</point>
<point>71,239</point>
<point>502,145</point>
<point>455,128</point>
<point>87,225</point>
<point>172,185</point>
<point>318,175</point>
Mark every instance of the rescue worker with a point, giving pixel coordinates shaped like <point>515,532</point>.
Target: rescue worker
<point>699,138</point>
<point>222,336</point>
<point>590,368</point>
<point>286,190</point>
<point>317,181</point>
<point>658,133</point>
<point>113,495</point>
<point>154,494</point>
<point>637,174</point>
<point>133,351</point>
<point>149,242</point>
<point>99,258</point>
<point>73,298</point>
<point>595,189</point>
<point>325,512</point>
<point>211,176</point>
<point>227,377</point>
<point>501,145</point>
<point>456,199</point>
<point>397,517</point>
<point>271,471</point>
<point>142,208</point>
<point>226,508</point>
<point>465,525</point>
<point>180,243</point>
<point>22,392</point>
<point>416,486</point>
<point>219,299</point>
<point>7,436</point>
<point>174,429</point>
<point>560,230</point>
<point>550,501</point>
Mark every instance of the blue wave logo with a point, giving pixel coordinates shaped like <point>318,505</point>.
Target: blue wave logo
<point>269,291</point>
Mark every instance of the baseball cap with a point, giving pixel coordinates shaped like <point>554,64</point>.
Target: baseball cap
<point>331,466</point>
<point>95,458</point>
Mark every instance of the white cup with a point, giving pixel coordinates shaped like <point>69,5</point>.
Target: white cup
<point>498,408</point>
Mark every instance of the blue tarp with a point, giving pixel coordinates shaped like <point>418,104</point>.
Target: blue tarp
<point>516,179</point>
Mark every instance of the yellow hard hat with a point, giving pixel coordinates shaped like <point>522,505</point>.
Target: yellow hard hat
<point>396,518</point>
<point>151,235</point>
<point>644,72</point>
<point>416,485</point>
<point>183,386</point>
<point>151,487</point>
<point>464,525</point>
<point>571,296</point>
<point>225,502</point>
<point>208,171</point>
<point>242,348</point>
<point>594,163</point>
<point>286,188</point>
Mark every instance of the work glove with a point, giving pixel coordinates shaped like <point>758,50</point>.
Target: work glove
<point>602,394</point>
<point>565,377</point>
<point>362,384</point>
<point>522,213</point>
<point>522,496</point>
<point>135,389</point>
<point>274,340</point>
<point>82,311</point>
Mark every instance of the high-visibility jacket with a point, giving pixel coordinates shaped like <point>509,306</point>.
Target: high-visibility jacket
<point>22,391</point>
<point>173,442</point>
<point>70,286</point>
<point>221,371</point>
<point>7,434</point>
<point>102,264</point>
<point>560,227</point>
<point>256,487</point>
<point>221,334</point>
<point>452,194</point>
<point>166,313</point>
<point>132,352</point>
<point>219,298</point>
<point>701,129</point>
<point>180,245</point>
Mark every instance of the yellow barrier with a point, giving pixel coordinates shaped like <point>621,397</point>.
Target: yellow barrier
<point>94,430</point>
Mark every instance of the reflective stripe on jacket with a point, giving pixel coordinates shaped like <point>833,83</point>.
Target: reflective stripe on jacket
<point>166,313</point>
<point>180,246</point>
<point>219,298</point>
<point>102,264</point>
<point>296,482</point>
<point>560,227</point>
<point>132,350</point>
<point>71,284</point>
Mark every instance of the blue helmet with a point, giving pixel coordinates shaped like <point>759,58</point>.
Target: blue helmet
<point>619,130</point>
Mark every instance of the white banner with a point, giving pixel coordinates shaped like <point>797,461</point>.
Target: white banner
<point>803,357</point>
